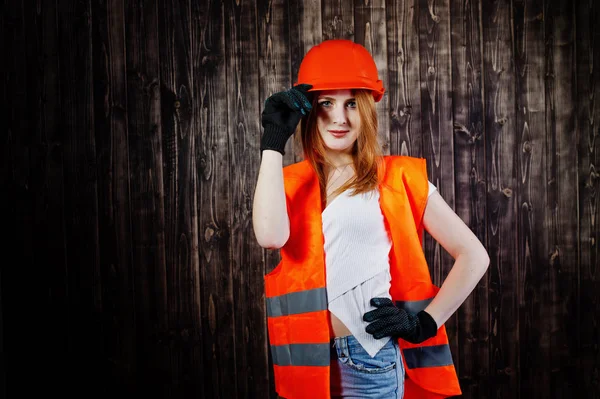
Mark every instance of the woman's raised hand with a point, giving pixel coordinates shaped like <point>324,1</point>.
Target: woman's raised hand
<point>282,113</point>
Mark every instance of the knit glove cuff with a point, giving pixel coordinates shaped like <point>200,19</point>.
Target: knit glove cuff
<point>274,138</point>
<point>427,326</point>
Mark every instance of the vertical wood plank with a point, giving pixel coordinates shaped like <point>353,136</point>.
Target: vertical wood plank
<point>588,114</point>
<point>532,201</point>
<point>337,19</point>
<point>179,113</point>
<point>563,222</point>
<point>247,32</point>
<point>274,56</point>
<point>470,182</point>
<point>210,108</point>
<point>403,90</point>
<point>146,193</point>
<point>305,31</point>
<point>370,31</point>
<point>81,189</point>
<point>437,128</point>
<point>219,319</point>
<point>110,124</point>
<point>501,206</point>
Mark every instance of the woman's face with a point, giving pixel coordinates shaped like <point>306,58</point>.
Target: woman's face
<point>338,119</point>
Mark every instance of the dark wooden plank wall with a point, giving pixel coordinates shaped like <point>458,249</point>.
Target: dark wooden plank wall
<point>111,116</point>
<point>131,151</point>
<point>587,77</point>
<point>501,177</point>
<point>472,359</point>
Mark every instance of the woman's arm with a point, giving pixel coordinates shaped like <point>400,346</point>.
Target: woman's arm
<point>471,258</point>
<point>269,210</point>
<point>280,117</point>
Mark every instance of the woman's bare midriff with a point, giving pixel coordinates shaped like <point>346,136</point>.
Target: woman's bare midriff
<point>336,327</point>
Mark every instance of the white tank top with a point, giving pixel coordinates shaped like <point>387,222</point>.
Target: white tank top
<point>357,248</point>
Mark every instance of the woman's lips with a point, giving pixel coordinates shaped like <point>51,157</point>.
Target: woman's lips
<point>338,133</point>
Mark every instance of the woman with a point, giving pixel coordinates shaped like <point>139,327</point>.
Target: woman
<point>351,308</point>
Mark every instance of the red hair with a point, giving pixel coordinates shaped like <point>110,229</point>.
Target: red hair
<point>366,151</point>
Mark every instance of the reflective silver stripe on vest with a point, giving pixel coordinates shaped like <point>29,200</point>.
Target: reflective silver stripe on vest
<point>427,356</point>
<point>301,354</point>
<point>414,306</point>
<point>297,302</point>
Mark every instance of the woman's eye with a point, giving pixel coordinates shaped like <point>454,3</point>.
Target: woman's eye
<point>325,103</point>
<point>351,104</point>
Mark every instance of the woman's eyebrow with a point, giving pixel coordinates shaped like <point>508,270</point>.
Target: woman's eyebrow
<point>331,98</point>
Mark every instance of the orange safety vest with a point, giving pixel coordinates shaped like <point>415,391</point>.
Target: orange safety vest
<point>297,297</point>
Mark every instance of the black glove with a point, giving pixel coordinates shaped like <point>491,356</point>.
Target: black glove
<point>281,115</point>
<point>388,320</point>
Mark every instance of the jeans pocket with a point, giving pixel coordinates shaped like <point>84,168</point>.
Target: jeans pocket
<point>359,360</point>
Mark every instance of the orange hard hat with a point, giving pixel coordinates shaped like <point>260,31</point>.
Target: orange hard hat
<point>340,64</point>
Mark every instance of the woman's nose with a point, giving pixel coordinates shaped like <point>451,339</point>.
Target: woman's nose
<point>339,115</point>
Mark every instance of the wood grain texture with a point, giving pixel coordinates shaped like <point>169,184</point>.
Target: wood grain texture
<point>404,91</point>
<point>180,114</point>
<point>561,337</point>
<point>274,56</point>
<point>337,19</point>
<point>210,91</point>
<point>211,107</point>
<point>146,192</point>
<point>588,117</point>
<point>244,138</point>
<point>532,201</point>
<point>305,31</point>
<point>502,196</point>
<point>472,359</point>
<point>114,229</point>
<point>437,127</point>
<point>370,31</point>
<point>263,60</point>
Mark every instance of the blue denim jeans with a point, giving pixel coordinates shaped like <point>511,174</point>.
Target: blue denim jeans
<point>355,374</point>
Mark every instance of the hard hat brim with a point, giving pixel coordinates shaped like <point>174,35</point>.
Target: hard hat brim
<point>377,93</point>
